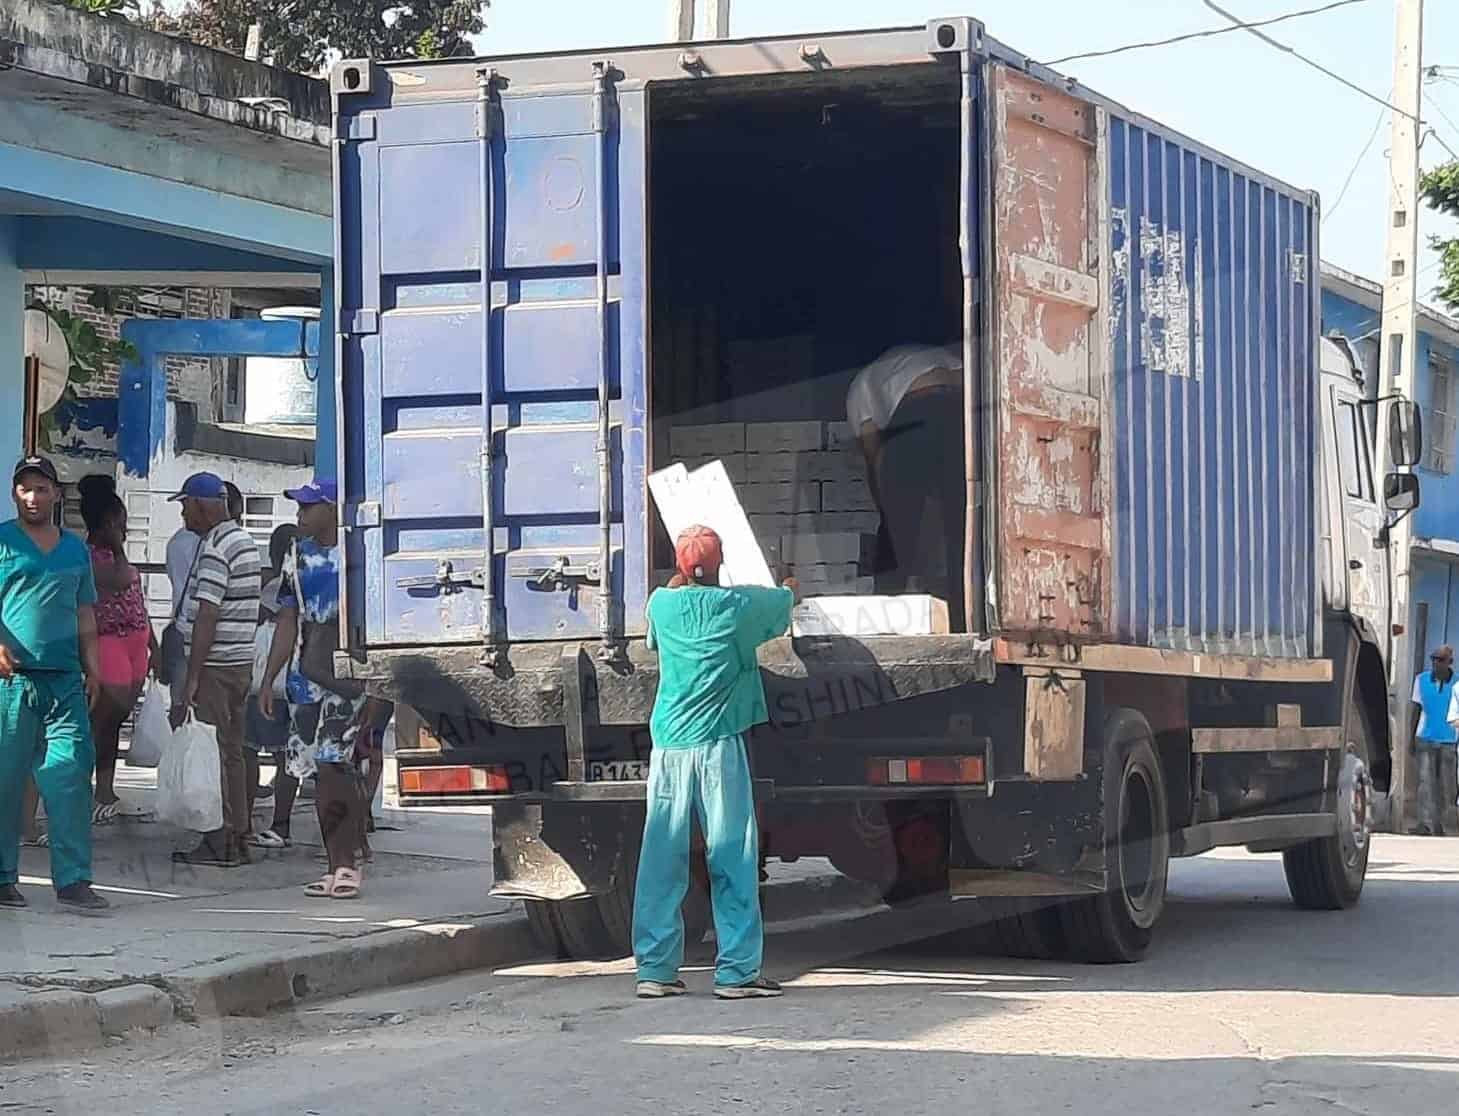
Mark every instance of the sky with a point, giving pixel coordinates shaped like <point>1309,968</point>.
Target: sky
<point>1232,92</point>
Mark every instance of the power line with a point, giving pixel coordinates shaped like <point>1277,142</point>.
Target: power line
<point>1206,34</point>
<point>1348,181</point>
<point>1318,66</point>
<point>1433,104</point>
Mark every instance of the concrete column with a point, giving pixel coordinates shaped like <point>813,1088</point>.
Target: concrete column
<point>326,435</point>
<point>12,348</point>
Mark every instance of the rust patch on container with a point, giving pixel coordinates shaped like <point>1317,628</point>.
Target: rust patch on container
<point>1053,574</point>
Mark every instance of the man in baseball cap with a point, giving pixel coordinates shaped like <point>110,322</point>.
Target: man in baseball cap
<point>50,667</point>
<point>709,696</point>
<point>34,464</point>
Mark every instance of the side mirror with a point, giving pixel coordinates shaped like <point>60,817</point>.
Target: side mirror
<point>1405,433</point>
<point>1400,492</point>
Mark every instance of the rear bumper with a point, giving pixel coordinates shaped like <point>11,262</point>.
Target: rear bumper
<point>588,794</point>
<point>528,686</point>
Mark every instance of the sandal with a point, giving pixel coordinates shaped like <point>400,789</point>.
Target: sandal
<point>321,889</point>
<point>104,813</point>
<point>268,839</point>
<point>347,883</point>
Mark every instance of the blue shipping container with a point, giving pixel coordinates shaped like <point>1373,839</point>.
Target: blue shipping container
<point>544,262</point>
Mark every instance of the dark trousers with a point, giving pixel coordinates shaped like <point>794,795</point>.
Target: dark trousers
<point>923,500</point>
<point>221,697</point>
<point>340,804</point>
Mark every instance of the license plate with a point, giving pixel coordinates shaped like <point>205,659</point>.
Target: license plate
<point>617,771</point>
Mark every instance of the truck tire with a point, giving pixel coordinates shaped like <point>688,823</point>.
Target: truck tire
<point>1327,874</point>
<point>1027,929</point>
<point>1117,926</point>
<point>600,927</point>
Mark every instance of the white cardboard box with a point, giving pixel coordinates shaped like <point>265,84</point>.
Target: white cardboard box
<point>776,468</point>
<point>839,436</point>
<point>862,616</point>
<point>769,499</point>
<point>782,437</point>
<point>714,440</point>
<point>821,547</point>
<point>734,465</point>
<point>852,495</point>
<point>707,496</point>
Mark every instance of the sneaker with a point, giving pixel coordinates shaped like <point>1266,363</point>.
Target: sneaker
<point>205,856</point>
<point>269,839</point>
<point>82,897</point>
<point>10,896</point>
<point>756,989</point>
<point>660,989</point>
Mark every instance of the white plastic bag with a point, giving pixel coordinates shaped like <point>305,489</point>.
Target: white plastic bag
<point>151,732</point>
<point>263,642</point>
<point>190,779</point>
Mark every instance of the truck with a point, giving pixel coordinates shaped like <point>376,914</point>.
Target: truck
<point>558,273</point>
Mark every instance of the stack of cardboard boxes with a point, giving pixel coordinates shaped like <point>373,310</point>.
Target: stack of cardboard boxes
<point>803,487</point>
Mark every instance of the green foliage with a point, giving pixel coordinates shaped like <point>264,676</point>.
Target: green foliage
<point>90,352</point>
<point>299,34</point>
<point>112,9</point>
<point>1440,188</point>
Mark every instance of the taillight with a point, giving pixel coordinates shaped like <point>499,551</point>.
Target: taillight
<point>926,770</point>
<point>455,780</point>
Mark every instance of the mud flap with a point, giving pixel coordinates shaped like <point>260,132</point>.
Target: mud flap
<point>547,851</point>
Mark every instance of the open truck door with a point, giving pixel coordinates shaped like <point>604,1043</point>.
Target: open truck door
<point>531,313</point>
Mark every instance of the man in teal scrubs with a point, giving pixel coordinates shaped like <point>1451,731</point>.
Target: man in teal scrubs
<point>709,696</point>
<point>47,638</point>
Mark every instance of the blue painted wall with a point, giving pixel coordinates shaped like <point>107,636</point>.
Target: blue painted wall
<point>1438,514</point>
<point>12,349</point>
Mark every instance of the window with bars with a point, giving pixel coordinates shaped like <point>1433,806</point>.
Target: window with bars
<point>1439,425</point>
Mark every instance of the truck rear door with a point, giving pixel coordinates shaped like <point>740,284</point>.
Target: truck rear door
<point>491,276</point>
<point>1048,360</point>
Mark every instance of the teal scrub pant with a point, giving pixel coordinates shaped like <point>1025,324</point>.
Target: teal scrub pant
<point>45,731</point>
<point>710,782</point>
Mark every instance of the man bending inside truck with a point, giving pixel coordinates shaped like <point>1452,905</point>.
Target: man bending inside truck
<point>709,697</point>
<point>906,410</point>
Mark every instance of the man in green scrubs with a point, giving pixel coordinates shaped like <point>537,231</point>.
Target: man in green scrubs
<point>709,697</point>
<point>47,641</point>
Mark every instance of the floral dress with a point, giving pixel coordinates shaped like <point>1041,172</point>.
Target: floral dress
<point>318,718</point>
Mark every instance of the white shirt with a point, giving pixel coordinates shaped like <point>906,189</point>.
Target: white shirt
<point>182,549</point>
<point>881,385</point>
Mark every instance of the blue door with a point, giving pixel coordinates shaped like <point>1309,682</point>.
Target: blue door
<point>473,377</point>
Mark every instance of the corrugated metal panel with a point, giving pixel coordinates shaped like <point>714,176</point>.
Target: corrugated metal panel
<point>1212,282</point>
<point>491,266</point>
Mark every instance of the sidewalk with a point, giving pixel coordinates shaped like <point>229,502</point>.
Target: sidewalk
<point>185,943</point>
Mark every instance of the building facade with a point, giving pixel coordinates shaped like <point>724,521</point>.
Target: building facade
<point>1351,310</point>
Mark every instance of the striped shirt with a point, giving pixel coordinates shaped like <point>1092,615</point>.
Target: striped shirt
<point>226,575</point>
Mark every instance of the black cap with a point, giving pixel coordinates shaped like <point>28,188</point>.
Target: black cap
<point>34,464</point>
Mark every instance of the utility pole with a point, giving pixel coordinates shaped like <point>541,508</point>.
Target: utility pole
<point>681,19</point>
<point>1397,349</point>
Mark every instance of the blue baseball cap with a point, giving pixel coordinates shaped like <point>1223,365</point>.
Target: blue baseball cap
<point>315,492</point>
<point>202,486</point>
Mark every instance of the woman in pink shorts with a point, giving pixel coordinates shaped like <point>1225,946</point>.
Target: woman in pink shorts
<point>126,641</point>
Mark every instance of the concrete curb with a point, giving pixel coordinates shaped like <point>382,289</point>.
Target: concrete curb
<point>53,1022</point>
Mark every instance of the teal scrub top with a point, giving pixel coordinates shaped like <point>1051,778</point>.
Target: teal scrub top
<point>709,681</point>
<point>39,596</point>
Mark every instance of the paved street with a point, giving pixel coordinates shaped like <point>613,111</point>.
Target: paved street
<point>1247,1004</point>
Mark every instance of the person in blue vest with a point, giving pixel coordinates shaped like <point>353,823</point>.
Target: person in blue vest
<point>709,696</point>
<point>1435,742</point>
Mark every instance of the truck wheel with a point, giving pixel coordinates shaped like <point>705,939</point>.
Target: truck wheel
<point>601,927</point>
<point>1327,874</point>
<point>1021,928</point>
<point>1117,926</point>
